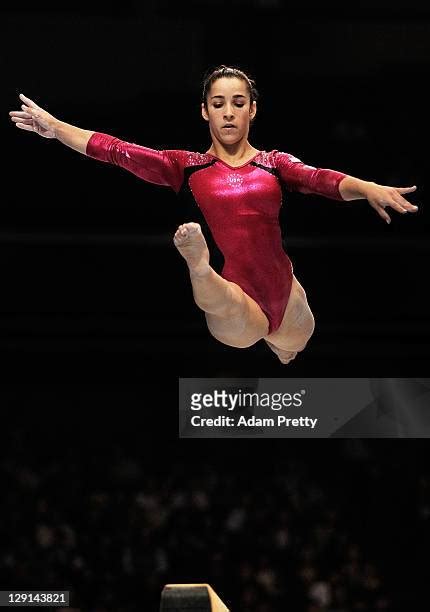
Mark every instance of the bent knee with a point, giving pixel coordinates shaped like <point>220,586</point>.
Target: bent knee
<point>233,309</point>
<point>237,332</point>
<point>305,330</point>
<point>236,342</point>
<point>310,324</point>
<point>244,342</point>
<point>234,333</point>
<point>295,337</point>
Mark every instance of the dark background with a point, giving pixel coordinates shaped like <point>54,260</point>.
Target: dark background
<point>104,513</point>
<point>90,274</point>
<point>96,302</point>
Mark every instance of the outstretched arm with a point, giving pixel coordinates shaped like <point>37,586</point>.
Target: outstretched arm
<point>340,186</point>
<point>33,118</point>
<point>378,196</point>
<point>158,167</point>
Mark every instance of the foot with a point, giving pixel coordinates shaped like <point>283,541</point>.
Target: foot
<point>283,355</point>
<point>191,244</point>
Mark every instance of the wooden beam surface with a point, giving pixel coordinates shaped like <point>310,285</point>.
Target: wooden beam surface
<point>190,598</point>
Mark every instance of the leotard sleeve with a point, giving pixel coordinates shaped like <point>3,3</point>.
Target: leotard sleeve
<point>159,167</point>
<point>306,179</point>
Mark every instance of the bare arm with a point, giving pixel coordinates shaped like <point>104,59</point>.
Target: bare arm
<point>72,136</point>
<point>338,185</point>
<point>351,188</point>
<point>378,196</point>
<point>158,167</point>
<point>32,118</point>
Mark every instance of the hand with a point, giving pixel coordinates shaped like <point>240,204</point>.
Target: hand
<point>381,196</point>
<point>34,119</point>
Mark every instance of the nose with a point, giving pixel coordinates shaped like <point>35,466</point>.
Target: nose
<point>228,115</point>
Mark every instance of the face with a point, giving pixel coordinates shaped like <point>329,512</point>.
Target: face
<point>229,104</point>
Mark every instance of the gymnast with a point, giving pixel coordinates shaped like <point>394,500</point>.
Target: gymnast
<point>236,193</point>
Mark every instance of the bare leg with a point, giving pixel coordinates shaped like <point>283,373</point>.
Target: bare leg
<point>232,316</point>
<point>297,326</point>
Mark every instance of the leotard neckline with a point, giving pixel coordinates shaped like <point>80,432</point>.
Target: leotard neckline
<point>234,167</point>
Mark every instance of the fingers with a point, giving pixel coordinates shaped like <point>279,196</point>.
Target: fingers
<point>396,201</point>
<point>17,120</point>
<point>20,114</point>
<point>402,201</point>
<point>21,119</point>
<point>28,109</point>
<point>25,126</point>
<point>403,205</point>
<point>29,102</point>
<point>383,214</point>
<point>34,114</point>
<point>405,189</point>
<point>392,196</point>
<point>27,113</point>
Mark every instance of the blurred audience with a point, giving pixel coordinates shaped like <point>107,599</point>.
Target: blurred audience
<point>281,531</point>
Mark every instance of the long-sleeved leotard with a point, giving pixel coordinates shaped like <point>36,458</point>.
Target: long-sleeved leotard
<point>238,207</point>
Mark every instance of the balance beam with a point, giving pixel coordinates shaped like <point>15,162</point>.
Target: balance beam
<point>190,598</point>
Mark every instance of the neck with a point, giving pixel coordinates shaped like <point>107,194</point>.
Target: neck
<point>235,152</point>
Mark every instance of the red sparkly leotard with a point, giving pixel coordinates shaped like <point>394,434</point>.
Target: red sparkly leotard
<point>238,207</point>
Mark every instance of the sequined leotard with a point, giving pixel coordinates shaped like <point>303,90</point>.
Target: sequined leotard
<point>237,207</point>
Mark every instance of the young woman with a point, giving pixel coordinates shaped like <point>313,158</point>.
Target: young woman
<point>236,198</point>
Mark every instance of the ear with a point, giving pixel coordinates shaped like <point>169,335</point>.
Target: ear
<point>253,110</point>
<point>204,113</point>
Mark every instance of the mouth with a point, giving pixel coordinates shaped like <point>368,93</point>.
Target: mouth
<point>228,127</point>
